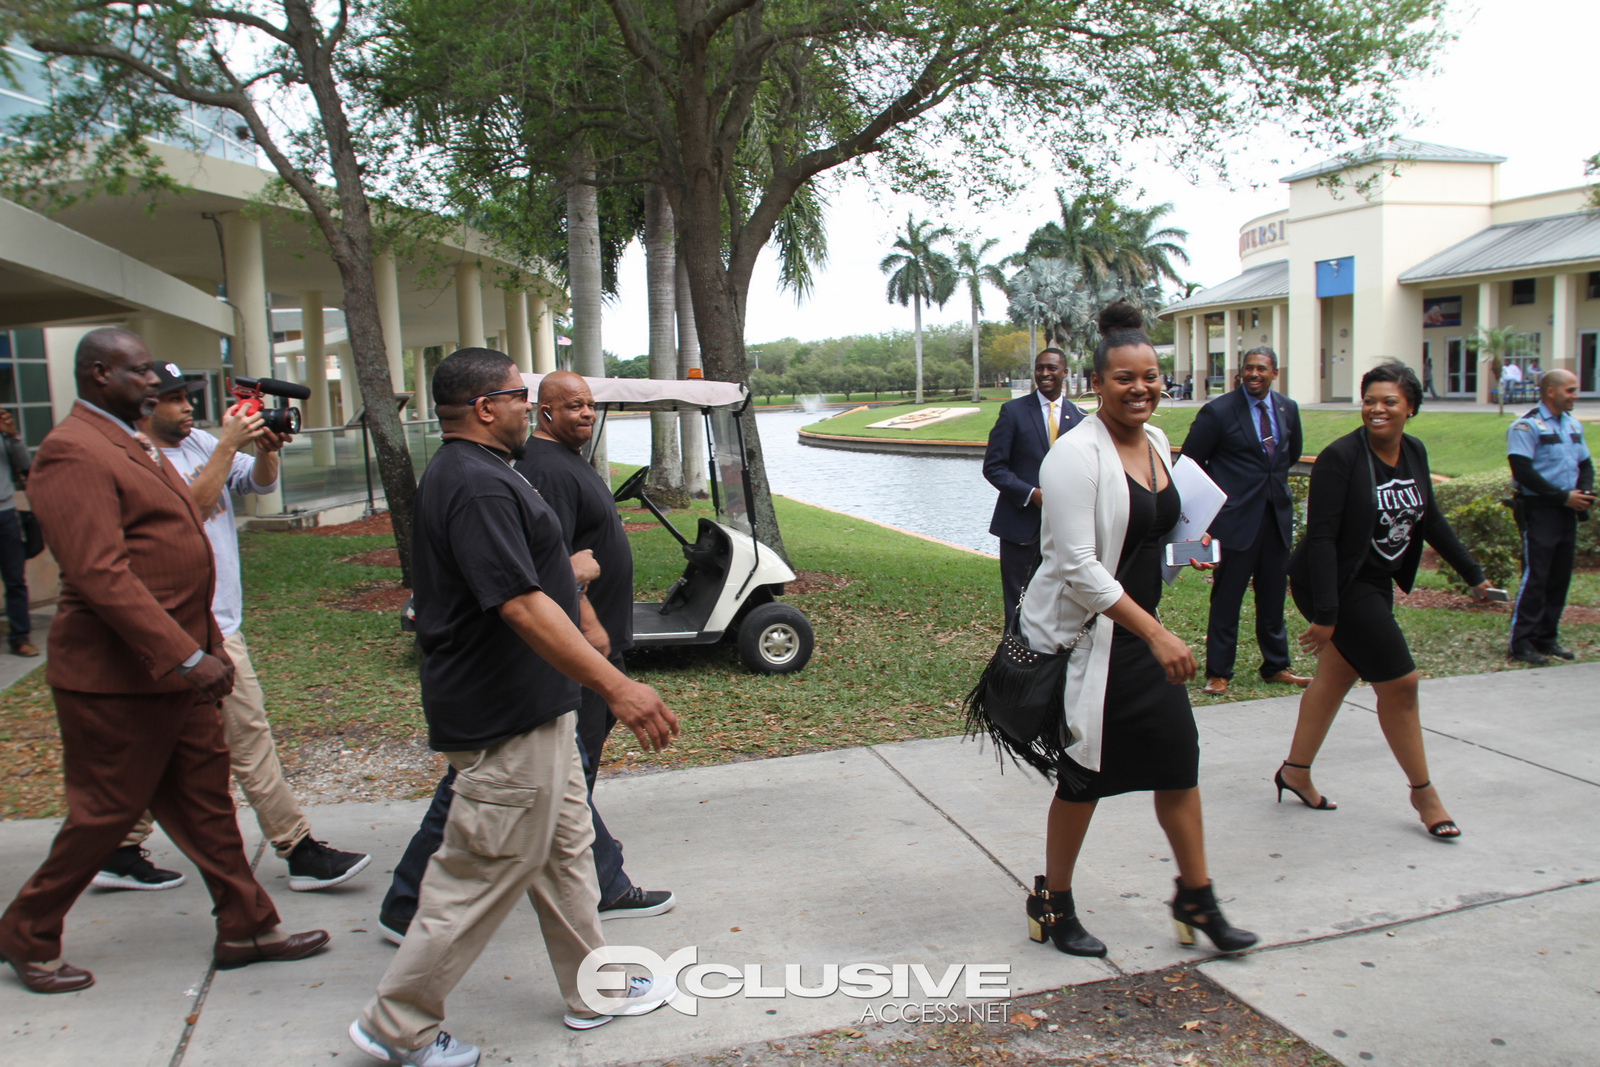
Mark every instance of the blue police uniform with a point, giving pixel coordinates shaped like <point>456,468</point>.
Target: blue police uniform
<point>1549,458</point>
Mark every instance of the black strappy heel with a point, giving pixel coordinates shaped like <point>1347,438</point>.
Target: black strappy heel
<point>1444,829</point>
<point>1323,804</point>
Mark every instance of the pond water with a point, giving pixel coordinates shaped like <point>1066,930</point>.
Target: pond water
<point>941,497</point>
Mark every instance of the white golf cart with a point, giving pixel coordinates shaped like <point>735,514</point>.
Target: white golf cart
<point>730,584</point>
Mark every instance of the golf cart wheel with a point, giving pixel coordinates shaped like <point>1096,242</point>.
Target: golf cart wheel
<point>775,639</point>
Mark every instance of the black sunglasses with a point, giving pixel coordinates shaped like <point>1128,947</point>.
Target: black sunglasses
<point>520,392</point>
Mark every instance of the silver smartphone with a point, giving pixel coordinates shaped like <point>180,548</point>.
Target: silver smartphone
<point>1179,553</point>
<point>1500,595</point>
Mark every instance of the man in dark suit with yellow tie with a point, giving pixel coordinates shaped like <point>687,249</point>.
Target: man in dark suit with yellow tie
<point>136,669</point>
<point>1246,440</point>
<point>1023,433</point>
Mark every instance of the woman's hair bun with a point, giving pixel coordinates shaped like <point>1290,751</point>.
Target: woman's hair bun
<point>1120,315</point>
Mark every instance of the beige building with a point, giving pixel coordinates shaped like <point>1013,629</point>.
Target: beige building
<point>1407,253</point>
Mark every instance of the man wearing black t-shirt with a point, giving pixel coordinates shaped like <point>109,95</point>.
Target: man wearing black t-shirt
<point>582,501</point>
<point>502,665</point>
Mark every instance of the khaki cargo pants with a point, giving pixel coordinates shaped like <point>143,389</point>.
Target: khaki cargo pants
<point>519,823</point>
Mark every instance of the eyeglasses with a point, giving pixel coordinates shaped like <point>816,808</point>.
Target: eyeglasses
<point>520,392</point>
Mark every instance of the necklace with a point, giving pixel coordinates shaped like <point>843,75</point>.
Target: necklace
<point>514,470</point>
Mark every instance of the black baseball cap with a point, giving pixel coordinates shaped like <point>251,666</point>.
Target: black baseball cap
<point>171,380</point>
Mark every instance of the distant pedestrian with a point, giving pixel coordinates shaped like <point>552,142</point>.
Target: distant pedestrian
<point>1510,381</point>
<point>136,668</point>
<point>1554,476</point>
<point>1370,510</point>
<point>13,554</point>
<point>503,661</point>
<point>1247,440</point>
<point>1023,433</point>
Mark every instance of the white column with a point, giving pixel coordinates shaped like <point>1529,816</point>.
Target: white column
<point>388,285</point>
<point>544,335</point>
<point>1230,347</point>
<point>349,390</point>
<point>247,291</point>
<point>1563,350</point>
<point>1274,313</point>
<point>1182,337</point>
<point>1488,319</point>
<point>521,345</point>
<point>419,376</point>
<point>311,333</point>
<point>469,306</point>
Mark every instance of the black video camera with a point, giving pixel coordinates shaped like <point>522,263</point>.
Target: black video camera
<point>283,419</point>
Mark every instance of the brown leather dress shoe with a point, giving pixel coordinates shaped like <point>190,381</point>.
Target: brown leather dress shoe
<point>293,947</point>
<point>25,649</point>
<point>1215,686</point>
<point>1290,678</point>
<point>65,979</point>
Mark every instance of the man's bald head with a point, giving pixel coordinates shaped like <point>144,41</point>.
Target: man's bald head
<point>114,373</point>
<point>1558,391</point>
<point>558,385</point>
<point>101,346</point>
<point>566,409</point>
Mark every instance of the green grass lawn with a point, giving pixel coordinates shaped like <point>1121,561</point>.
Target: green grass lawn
<point>887,396</point>
<point>903,628</point>
<point>1458,442</point>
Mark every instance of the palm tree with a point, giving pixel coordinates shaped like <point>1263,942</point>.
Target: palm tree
<point>1052,293</point>
<point>1088,237</point>
<point>1493,345</point>
<point>584,278</point>
<point>661,271</point>
<point>971,269</point>
<point>1146,252</point>
<point>919,273</point>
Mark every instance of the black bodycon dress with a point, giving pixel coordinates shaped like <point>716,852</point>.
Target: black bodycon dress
<point>1149,740</point>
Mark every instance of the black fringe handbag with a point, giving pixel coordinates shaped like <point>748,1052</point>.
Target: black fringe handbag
<point>1018,699</point>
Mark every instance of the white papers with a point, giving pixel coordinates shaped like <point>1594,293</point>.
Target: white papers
<point>1201,502</point>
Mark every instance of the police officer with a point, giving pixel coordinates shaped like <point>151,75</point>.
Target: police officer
<point>1554,478</point>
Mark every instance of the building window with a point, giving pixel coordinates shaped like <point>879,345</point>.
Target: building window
<point>25,383</point>
<point>1594,285</point>
<point>1524,291</point>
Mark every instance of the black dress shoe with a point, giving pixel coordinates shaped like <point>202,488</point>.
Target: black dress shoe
<point>1557,650</point>
<point>65,979</point>
<point>1528,655</point>
<point>293,947</point>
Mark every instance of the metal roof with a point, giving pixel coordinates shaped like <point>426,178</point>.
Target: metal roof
<point>1258,283</point>
<point>1399,149</point>
<point>1514,246</point>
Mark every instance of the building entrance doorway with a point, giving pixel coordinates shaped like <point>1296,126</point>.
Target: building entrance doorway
<point>1589,363</point>
<point>1461,369</point>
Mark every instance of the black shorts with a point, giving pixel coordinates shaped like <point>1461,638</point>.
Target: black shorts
<point>1366,633</point>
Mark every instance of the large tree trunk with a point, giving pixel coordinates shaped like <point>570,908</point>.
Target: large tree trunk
<point>666,462</point>
<point>691,424</point>
<point>916,319</point>
<point>583,276</point>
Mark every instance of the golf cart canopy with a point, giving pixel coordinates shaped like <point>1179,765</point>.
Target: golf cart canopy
<point>653,394</point>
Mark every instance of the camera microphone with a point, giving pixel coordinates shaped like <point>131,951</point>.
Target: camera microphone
<point>274,387</point>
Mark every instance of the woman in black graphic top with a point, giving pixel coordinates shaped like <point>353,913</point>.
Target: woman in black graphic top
<point>1370,509</point>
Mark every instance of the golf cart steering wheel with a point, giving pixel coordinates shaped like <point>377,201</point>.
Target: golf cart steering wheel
<point>632,487</point>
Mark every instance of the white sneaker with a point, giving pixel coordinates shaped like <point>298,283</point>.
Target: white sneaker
<point>643,998</point>
<point>443,1051</point>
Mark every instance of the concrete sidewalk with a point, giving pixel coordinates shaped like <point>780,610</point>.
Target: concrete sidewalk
<point>1379,944</point>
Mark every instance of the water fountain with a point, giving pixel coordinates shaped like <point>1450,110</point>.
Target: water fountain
<point>813,404</point>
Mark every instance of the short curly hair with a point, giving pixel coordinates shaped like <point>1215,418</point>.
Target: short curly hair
<point>1392,370</point>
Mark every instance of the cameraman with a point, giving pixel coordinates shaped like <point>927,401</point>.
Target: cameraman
<point>212,466</point>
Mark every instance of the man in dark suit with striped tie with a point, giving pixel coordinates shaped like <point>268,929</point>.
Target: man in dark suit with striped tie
<point>1023,433</point>
<point>1246,440</point>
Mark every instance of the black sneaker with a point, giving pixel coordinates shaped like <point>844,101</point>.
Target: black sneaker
<point>392,928</point>
<point>1557,650</point>
<point>1528,655</point>
<point>637,903</point>
<point>130,868</point>
<point>313,865</point>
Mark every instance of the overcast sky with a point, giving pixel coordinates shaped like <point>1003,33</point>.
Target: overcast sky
<point>1520,83</point>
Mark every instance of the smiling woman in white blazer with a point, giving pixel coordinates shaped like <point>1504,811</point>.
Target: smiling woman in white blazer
<point>1108,502</point>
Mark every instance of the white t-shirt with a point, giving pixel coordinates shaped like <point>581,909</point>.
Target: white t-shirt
<point>1510,372</point>
<point>189,458</point>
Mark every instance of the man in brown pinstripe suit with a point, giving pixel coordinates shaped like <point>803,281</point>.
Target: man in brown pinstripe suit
<point>136,669</point>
